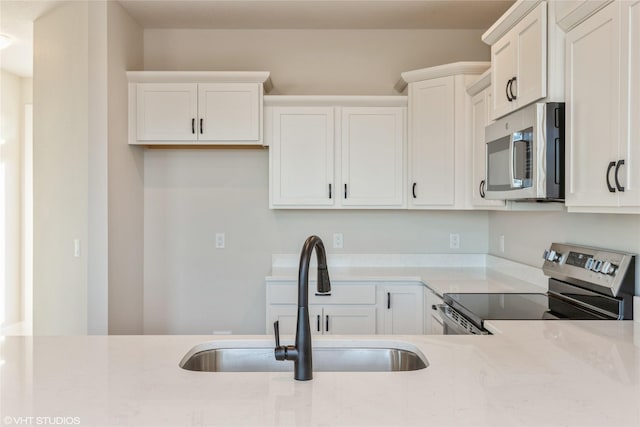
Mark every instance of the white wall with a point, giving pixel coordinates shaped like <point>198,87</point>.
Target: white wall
<point>528,234</point>
<point>61,148</point>
<point>190,195</point>
<point>125,180</point>
<point>88,181</point>
<point>11,119</point>
<point>335,62</point>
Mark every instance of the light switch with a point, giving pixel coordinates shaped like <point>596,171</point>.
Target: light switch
<point>76,248</point>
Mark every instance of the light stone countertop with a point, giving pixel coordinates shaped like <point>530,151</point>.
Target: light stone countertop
<point>441,280</point>
<point>531,373</point>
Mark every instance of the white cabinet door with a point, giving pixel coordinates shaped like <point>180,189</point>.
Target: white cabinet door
<point>531,40</point>
<point>503,69</point>
<point>166,111</point>
<point>373,157</point>
<point>433,318</point>
<point>349,320</point>
<point>479,119</point>
<point>302,157</point>
<point>519,64</point>
<point>437,325</point>
<point>630,146</point>
<point>431,143</point>
<point>592,109</point>
<point>229,112</point>
<point>403,309</point>
<point>287,316</point>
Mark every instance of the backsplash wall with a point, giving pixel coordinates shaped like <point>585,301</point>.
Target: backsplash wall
<point>190,195</point>
<point>528,234</point>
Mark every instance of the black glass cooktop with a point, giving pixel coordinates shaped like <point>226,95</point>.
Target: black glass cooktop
<point>495,306</point>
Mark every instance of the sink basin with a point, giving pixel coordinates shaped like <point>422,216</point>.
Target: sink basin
<point>325,359</point>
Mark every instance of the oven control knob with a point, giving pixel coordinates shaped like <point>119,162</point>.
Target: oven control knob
<point>608,268</point>
<point>597,266</point>
<point>552,256</point>
<point>588,265</point>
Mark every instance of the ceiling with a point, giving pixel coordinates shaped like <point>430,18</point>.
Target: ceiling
<point>17,16</point>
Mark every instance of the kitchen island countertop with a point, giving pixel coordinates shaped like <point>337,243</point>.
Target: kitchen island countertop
<point>531,373</point>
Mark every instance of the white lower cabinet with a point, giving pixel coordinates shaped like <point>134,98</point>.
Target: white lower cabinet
<point>402,309</point>
<point>344,320</point>
<point>348,310</point>
<point>433,324</point>
<point>351,309</point>
<point>327,320</point>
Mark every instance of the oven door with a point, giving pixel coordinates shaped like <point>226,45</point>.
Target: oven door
<point>455,324</point>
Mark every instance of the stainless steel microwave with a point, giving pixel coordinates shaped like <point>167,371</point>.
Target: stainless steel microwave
<point>525,155</point>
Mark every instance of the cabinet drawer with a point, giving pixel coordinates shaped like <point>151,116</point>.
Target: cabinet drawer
<point>340,294</point>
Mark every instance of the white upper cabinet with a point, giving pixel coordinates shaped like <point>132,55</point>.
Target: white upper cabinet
<point>336,152</point>
<point>210,108</point>
<point>519,64</point>
<point>166,111</point>
<point>570,13</point>
<point>431,143</point>
<point>230,111</point>
<point>373,151</point>
<point>629,174</point>
<point>602,110</point>
<point>438,155</point>
<point>480,93</point>
<point>302,157</point>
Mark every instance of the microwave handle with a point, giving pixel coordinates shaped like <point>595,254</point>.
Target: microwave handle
<point>512,153</point>
<point>512,164</point>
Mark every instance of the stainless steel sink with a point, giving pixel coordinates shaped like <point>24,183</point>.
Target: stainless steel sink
<point>327,359</point>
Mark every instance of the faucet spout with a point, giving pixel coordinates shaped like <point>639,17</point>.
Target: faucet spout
<point>300,353</point>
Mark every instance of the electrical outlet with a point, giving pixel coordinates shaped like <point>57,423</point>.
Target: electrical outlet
<point>338,241</point>
<point>501,243</point>
<point>76,248</point>
<point>219,240</point>
<point>454,241</point>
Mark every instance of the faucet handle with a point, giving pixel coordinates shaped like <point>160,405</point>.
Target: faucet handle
<point>280,352</point>
<point>276,331</point>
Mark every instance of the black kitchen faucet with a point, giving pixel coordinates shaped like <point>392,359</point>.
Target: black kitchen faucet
<point>300,353</point>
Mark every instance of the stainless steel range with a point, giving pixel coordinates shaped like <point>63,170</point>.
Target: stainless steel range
<point>584,284</point>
